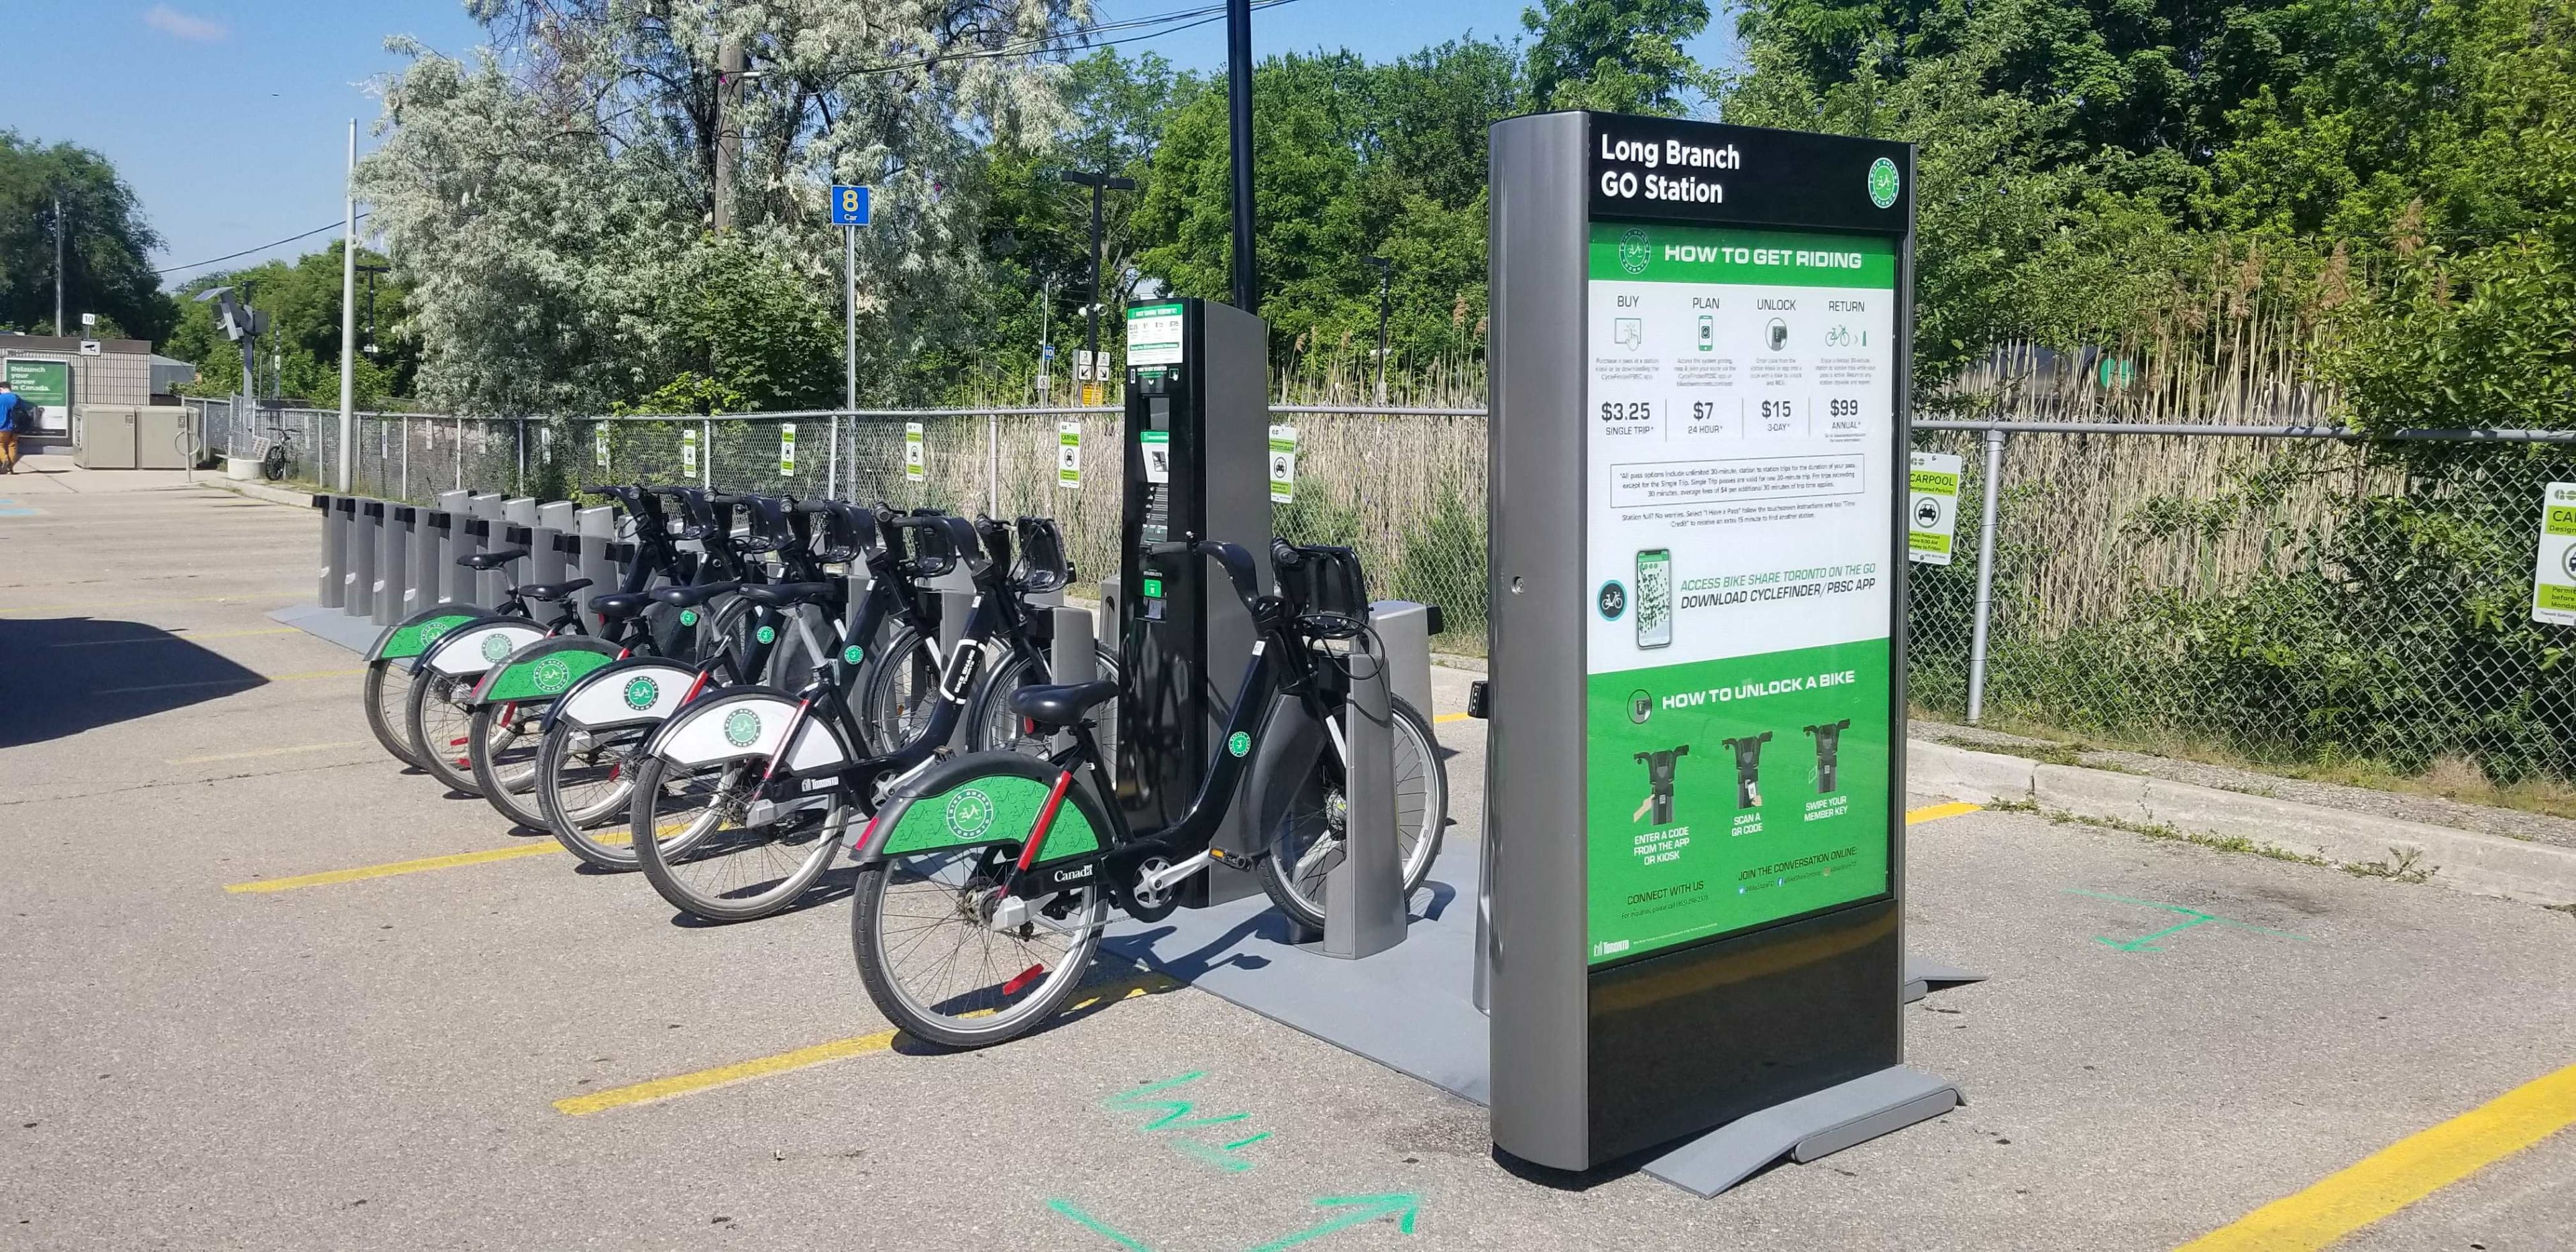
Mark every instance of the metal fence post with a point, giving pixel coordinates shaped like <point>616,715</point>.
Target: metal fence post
<point>519,437</point>
<point>406,461</point>
<point>832,469</point>
<point>460,454</point>
<point>993,464</point>
<point>1993,488</point>
<point>707,462</point>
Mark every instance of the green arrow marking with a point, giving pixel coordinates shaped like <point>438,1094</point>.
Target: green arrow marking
<point>1097,1226</point>
<point>2146,942</point>
<point>1363,1209</point>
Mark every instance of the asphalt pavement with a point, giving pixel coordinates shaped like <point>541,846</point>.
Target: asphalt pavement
<point>456,1055</point>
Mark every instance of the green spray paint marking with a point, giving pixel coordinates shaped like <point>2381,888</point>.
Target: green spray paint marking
<point>1098,1227</point>
<point>1362,1209</point>
<point>2194,917</point>
<point>1176,1117</point>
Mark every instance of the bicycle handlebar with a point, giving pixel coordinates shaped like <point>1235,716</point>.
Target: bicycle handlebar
<point>1237,562</point>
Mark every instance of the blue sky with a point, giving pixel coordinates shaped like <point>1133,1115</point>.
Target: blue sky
<point>229,117</point>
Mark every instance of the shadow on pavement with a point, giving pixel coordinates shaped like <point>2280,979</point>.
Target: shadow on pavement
<point>63,675</point>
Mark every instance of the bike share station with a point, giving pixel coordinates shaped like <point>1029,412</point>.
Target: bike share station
<point>1690,933</point>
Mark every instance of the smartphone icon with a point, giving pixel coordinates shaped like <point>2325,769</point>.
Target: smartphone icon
<point>1655,598</point>
<point>1707,333</point>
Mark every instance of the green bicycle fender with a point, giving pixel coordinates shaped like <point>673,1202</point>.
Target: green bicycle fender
<point>413,636</point>
<point>981,798</point>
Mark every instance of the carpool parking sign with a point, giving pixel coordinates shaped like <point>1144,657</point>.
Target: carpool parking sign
<point>2553,579</point>
<point>849,206</point>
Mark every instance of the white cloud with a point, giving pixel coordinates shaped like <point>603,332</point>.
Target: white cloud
<point>178,25</point>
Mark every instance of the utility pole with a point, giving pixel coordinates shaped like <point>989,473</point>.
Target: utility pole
<point>1385,275</point>
<point>1101,184</point>
<point>58,263</point>
<point>729,66</point>
<point>1238,98</point>
<point>371,271</point>
<point>349,317</point>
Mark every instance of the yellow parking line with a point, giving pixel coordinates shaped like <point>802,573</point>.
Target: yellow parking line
<point>2403,1172</point>
<point>1935,812</point>
<point>232,682</point>
<point>392,868</point>
<point>396,867</point>
<point>806,1058</point>
<point>1450,717</point>
<point>244,756</point>
<point>175,638</point>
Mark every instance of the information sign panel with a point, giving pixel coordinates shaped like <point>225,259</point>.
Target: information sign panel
<point>1932,507</point>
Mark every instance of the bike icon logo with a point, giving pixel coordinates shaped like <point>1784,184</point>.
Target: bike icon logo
<point>552,674</point>
<point>741,727</point>
<point>641,693</point>
<point>1635,253</point>
<point>1613,600</point>
<point>970,813</point>
<point>495,646</point>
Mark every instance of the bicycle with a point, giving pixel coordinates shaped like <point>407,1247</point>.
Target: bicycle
<point>591,736</point>
<point>275,450</point>
<point>741,798</point>
<point>996,870</point>
<point>396,652</point>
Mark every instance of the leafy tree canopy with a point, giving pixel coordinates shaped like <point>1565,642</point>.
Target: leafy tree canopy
<point>106,246</point>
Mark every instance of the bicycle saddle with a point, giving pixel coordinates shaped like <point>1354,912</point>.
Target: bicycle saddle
<point>544,592</point>
<point>494,559</point>
<point>1061,705</point>
<point>619,606</point>
<point>692,596</point>
<point>782,595</point>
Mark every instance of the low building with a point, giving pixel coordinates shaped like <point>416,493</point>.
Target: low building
<point>55,373</point>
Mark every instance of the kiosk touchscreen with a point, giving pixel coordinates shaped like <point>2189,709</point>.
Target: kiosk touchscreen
<point>1699,469</point>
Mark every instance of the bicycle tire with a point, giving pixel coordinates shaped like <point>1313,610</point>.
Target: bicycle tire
<point>673,864</point>
<point>902,690</point>
<point>994,724</point>
<point>391,726</point>
<point>970,1027</point>
<point>431,696</point>
<point>573,823</point>
<point>273,463</point>
<point>509,785</point>
<point>1294,880</point>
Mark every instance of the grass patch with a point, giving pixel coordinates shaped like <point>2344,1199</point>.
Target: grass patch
<point>2403,866</point>
<point>2175,834</point>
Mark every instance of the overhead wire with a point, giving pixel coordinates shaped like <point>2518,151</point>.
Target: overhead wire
<point>261,248</point>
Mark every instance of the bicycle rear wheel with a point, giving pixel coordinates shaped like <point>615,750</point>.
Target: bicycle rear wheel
<point>1311,839</point>
<point>502,744</point>
<point>687,833</point>
<point>442,727</point>
<point>937,968</point>
<point>584,782</point>
<point>384,692</point>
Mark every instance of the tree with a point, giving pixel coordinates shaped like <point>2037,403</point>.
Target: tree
<point>1622,56</point>
<point>302,299</point>
<point>546,205</point>
<point>106,245</point>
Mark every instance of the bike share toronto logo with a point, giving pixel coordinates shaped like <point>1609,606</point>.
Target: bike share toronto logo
<point>1635,253</point>
<point>641,693</point>
<point>741,727</point>
<point>495,646</point>
<point>970,813</point>
<point>552,674</point>
<point>1238,743</point>
<point>1882,182</point>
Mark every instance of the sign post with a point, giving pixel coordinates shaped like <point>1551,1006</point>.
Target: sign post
<point>850,208</point>
<point>1697,699</point>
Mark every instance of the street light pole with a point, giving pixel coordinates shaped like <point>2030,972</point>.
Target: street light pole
<point>1101,184</point>
<point>349,315</point>
<point>58,263</point>
<point>1238,96</point>
<point>1385,275</point>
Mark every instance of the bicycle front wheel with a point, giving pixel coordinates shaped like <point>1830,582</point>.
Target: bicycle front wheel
<point>503,746</point>
<point>902,692</point>
<point>442,727</point>
<point>997,725</point>
<point>1312,837</point>
<point>935,964</point>
<point>688,836</point>
<point>584,782</point>
<point>384,693</point>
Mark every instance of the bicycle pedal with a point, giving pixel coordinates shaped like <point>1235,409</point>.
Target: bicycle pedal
<point>1239,864</point>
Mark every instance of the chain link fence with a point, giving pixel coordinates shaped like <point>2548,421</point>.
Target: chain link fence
<point>2268,594</point>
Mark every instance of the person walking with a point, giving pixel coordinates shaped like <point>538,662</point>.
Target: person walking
<point>14,415</point>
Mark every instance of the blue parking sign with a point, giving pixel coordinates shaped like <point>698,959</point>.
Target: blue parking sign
<point>849,206</point>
